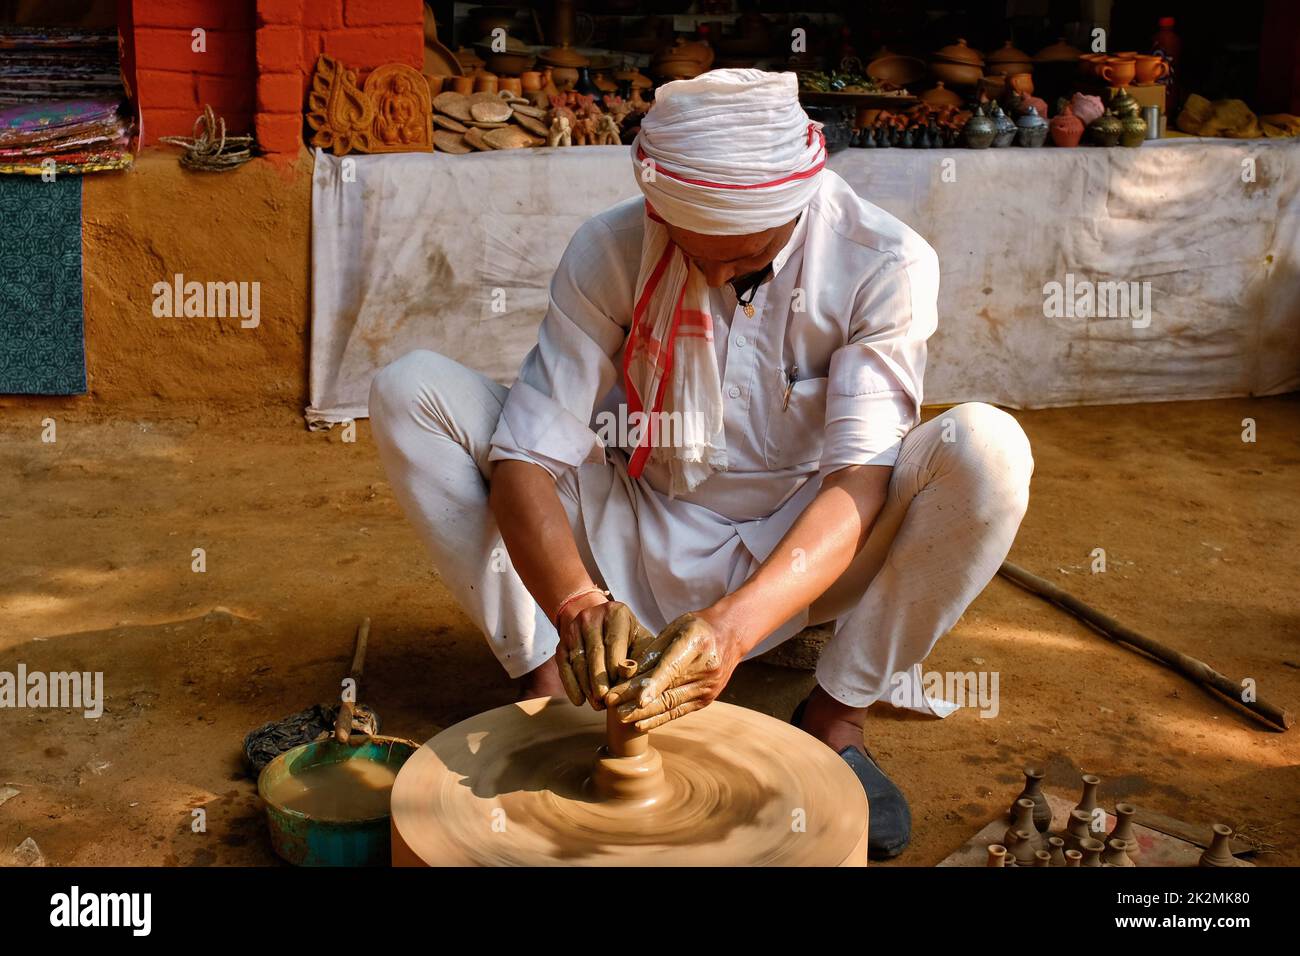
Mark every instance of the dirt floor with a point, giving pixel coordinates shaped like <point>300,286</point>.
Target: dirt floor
<point>302,537</point>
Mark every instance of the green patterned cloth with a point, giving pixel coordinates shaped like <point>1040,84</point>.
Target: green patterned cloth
<point>42,351</point>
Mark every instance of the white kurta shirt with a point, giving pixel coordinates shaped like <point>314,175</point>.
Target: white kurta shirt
<point>845,316</point>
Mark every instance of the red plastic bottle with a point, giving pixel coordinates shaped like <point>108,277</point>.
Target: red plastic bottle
<point>1167,43</point>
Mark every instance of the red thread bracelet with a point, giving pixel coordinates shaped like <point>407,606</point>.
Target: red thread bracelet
<point>573,597</point>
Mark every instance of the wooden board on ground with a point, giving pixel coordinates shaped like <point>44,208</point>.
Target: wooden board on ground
<point>1155,848</point>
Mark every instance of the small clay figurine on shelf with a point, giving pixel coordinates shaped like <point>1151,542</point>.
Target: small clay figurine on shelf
<point>605,131</point>
<point>560,134</point>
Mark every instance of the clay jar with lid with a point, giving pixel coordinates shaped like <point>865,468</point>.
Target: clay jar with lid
<point>1031,131</point>
<point>979,131</point>
<point>1105,130</point>
<point>1066,129</point>
<point>1008,60</point>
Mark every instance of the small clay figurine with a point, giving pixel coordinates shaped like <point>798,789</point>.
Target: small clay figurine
<point>606,131</point>
<point>560,134</point>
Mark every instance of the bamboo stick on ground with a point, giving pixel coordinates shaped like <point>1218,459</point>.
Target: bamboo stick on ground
<point>1190,667</point>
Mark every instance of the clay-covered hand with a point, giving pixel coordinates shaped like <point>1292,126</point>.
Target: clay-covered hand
<point>592,644</point>
<point>684,668</point>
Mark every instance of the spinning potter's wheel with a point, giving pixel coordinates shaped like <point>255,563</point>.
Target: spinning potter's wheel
<point>543,782</point>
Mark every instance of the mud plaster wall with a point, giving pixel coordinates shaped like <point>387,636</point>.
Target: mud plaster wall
<point>157,219</point>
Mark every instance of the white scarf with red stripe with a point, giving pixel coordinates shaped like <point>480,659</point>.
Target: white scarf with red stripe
<point>728,153</point>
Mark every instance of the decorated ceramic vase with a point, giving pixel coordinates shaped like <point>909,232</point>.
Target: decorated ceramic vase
<point>1065,128</point>
<point>1123,105</point>
<point>979,131</point>
<point>1105,130</point>
<point>1005,126</point>
<point>1133,130</point>
<point>1031,129</point>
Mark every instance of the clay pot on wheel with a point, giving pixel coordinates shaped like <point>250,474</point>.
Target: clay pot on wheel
<point>1066,130</point>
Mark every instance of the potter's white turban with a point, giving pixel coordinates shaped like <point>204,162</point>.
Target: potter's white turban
<point>733,152</point>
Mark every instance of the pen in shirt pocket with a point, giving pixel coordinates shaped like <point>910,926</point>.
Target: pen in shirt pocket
<point>791,377</point>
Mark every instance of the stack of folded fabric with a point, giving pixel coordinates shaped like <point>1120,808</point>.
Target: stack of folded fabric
<point>61,99</point>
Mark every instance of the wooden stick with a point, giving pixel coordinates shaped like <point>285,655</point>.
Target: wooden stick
<point>343,720</point>
<point>1190,667</point>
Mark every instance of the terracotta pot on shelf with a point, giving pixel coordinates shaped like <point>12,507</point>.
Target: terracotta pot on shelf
<point>1066,128</point>
<point>1022,83</point>
<point>485,82</point>
<point>530,80</point>
<point>895,69</point>
<point>1008,60</point>
<point>955,74</point>
<point>1008,67</point>
<point>1118,71</point>
<point>511,84</point>
<point>463,84</point>
<point>565,62</point>
<point>1058,52</point>
<point>959,52</point>
<point>940,97</point>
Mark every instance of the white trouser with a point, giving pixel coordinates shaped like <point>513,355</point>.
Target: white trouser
<point>956,497</point>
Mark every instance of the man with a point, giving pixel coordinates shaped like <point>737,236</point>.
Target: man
<point>773,324</point>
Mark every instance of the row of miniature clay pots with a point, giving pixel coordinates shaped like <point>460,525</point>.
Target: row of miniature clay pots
<point>1026,842</point>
